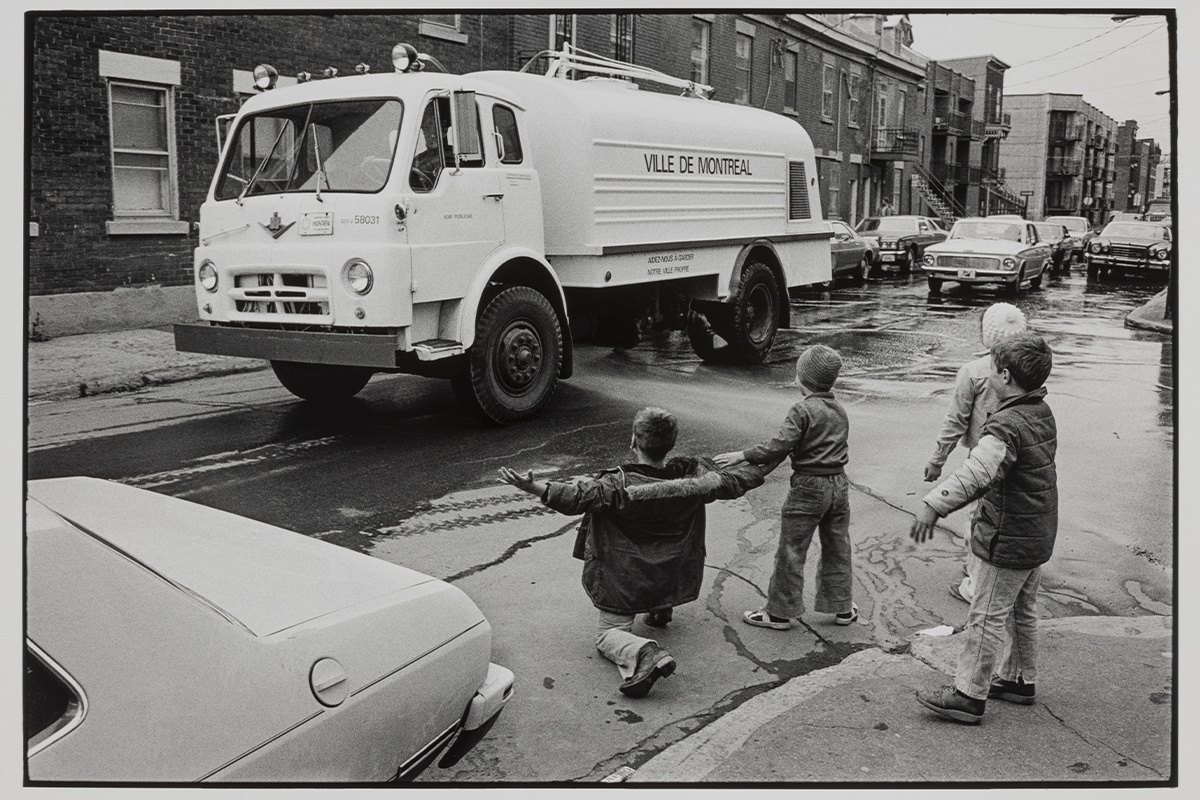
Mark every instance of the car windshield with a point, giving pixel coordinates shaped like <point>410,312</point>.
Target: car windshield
<point>887,225</point>
<point>1133,230</point>
<point>336,147</point>
<point>986,230</point>
<point>1071,223</point>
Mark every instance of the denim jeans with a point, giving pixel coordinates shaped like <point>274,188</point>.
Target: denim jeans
<point>814,503</point>
<point>616,641</point>
<point>1002,629</point>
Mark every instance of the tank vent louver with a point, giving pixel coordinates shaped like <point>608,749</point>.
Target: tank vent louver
<point>797,192</point>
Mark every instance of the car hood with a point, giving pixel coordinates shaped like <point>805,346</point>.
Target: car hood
<point>263,578</point>
<point>1138,240</point>
<point>991,247</point>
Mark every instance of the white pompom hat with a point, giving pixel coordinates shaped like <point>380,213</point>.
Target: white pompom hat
<point>1000,320</point>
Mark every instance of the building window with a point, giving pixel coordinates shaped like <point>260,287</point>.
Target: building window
<point>833,188</point>
<point>743,52</point>
<point>622,37</point>
<point>562,30</point>
<point>701,36</point>
<point>790,63</point>
<point>443,26</point>
<point>828,79</point>
<point>141,97</point>
<point>853,91</point>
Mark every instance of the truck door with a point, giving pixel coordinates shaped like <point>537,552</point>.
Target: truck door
<point>456,218</point>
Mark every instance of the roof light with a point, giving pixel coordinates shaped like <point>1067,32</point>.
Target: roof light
<point>330,72</point>
<point>303,77</point>
<point>362,69</point>
<point>404,58</point>
<point>265,77</point>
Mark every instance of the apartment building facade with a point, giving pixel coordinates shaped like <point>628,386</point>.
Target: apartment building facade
<point>1061,154</point>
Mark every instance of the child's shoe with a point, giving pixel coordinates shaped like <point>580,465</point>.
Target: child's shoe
<point>762,619</point>
<point>953,704</point>
<point>847,617</point>
<point>1017,691</point>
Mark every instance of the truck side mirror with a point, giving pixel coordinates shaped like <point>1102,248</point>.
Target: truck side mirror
<point>464,117</point>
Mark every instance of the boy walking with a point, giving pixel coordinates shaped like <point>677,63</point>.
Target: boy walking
<point>815,435</point>
<point>1012,469</point>
<point>641,539</point>
<point>971,405</point>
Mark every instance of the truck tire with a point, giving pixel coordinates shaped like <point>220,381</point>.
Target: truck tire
<point>512,369</point>
<point>322,383</point>
<point>755,314</point>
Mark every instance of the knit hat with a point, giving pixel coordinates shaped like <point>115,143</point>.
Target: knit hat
<point>818,367</point>
<point>1000,320</point>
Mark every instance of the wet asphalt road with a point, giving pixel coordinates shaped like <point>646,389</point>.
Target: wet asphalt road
<point>401,473</point>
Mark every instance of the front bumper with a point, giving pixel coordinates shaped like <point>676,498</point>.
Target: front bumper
<point>1107,261</point>
<point>311,347</point>
<point>971,275</point>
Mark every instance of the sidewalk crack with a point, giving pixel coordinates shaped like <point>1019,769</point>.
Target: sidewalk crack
<point>1098,743</point>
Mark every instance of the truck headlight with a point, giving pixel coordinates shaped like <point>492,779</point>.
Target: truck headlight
<point>1009,263</point>
<point>358,275</point>
<point>207,275</point>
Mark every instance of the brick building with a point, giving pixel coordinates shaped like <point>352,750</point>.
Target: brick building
<point>122,114</point>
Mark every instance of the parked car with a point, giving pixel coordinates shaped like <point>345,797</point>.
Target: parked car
<point>850,253</point>
<point>1058,238</point>
<point>167,642</point>
<point>1138,246</point>
<point>1081,233</point>
<point>987,250</point>
<point>901,239</point>
<point>1158,211</point>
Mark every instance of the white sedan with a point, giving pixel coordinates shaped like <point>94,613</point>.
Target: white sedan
<point>171,642</point>
<point>989,250</point>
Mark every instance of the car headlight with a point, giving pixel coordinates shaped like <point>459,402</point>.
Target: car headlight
<point>1162,254</point>
<point>207,275</point>
<point>1009,263</point>
<point>1097,247</point>
<point>358,275</point>
<point>928,260</point>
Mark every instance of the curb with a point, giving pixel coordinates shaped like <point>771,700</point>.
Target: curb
<point>128,383</point>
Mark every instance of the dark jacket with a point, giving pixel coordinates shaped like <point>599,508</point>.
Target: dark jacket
<point>1012,470</point>
<point>814,434</point>
<point>642,534</point>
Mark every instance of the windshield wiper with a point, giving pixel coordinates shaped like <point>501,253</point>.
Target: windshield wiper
<point>320,165</point>
<point>261,165</point>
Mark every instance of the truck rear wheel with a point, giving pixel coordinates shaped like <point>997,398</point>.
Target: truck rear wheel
<point>512,369</point>
<point>321,382</point>
<point>755,314</point>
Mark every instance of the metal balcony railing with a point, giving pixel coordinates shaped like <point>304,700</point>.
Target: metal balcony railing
<point>949,171</point>
<point>950,122</point>
<point>978,129</point>
<point>896,141</point>
<point>1062,165</point>
<point>1066,132</point>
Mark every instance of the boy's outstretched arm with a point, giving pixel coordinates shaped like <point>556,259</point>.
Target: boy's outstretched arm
<point>525,483</point>
<point>954,425</point>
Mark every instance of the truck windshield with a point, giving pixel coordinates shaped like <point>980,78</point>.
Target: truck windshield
<point>345,146</point>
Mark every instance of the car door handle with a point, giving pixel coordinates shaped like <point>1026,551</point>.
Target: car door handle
<point>497,196</point>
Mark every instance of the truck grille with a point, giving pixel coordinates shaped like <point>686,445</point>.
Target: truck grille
<point>968,262</point>
<point>281,293</point>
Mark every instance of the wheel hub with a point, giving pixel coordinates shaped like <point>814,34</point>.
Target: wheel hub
<point>520,357</point>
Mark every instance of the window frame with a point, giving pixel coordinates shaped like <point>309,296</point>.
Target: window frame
<point>705,25</point>
<point>618,41</point>
<point>791,80</point>
<point>740,71</point>
<point>438,29</point>
<point>504,159</point>
<point>828,85</point>
<point>854,82</point>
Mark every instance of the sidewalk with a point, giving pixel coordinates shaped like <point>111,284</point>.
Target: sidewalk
<point>1151,316</point>
<point>98,363</point>
<point>858,721</point>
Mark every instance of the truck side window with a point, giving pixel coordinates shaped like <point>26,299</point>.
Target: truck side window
<point>433,150</point>
<point>506,125</point>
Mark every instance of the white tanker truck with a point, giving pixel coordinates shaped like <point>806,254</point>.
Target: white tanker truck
<point>465,227</point>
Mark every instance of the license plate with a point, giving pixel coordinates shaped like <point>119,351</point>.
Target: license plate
<point>889,256</point>
<point>316,223</point>
<point>966,273</point>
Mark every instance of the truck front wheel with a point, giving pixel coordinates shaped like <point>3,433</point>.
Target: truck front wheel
<point>755,314</point>
<point>512,369</point>
<point>321,382</point>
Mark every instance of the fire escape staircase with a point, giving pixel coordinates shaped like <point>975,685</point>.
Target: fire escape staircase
<point>936,195</point>
<point>1016,205</point>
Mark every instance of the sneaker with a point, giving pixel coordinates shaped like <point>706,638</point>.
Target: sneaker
<point>847,617</point>
<point>1017,691</point>
<point>762,619</point>
<point>951,703</point>
<point>659,617</point>
<point>653,663</point>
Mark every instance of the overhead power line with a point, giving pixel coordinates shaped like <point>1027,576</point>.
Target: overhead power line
<point>1084,64</point>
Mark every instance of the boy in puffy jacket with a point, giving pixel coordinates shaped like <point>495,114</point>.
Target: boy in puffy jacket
<point>1012,469</point>
<point>641,539</point>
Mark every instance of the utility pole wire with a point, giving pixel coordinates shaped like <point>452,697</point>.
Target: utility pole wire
<point>1084,64</point>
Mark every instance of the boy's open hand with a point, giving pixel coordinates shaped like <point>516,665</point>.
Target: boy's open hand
<point>522,482</point>
<point>729,459</point>
<point>932,472</point>
<point>922,527</point>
